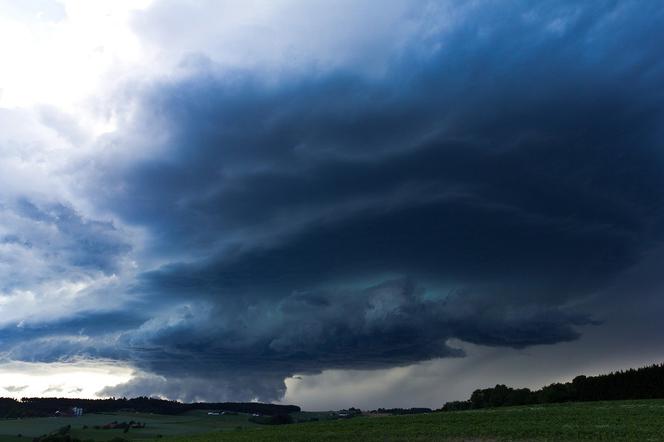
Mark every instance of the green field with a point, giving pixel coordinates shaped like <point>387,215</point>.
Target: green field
<point>157,426</point>
<point>610,421</point>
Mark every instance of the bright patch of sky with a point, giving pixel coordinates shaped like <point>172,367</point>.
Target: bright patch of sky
<point>62,54</point>
<point>79,379</point>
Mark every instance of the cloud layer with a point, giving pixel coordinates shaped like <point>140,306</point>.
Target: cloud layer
<point>482,173</point>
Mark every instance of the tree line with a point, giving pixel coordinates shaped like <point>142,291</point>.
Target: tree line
<point>401,411</point>
<point>36,407</point>
<point>642,383</point>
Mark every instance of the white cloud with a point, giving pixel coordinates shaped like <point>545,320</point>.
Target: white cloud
<point>61,62</point>
<point>81,379</point>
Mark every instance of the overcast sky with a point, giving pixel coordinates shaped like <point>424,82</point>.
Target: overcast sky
<point>328,203</point>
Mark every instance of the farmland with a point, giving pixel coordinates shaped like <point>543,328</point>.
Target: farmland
<point>615,420</point>
<point>157,426</point>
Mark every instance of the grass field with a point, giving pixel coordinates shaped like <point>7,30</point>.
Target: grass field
<point>157,425</point>
<point>609,421</point>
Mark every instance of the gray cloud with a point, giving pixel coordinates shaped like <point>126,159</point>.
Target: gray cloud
<point>510,181</point>
<point>494,178</point>
<point>85,243</point>
<point>191,389</point>
<point>248,352</point>
<point>15,388</point>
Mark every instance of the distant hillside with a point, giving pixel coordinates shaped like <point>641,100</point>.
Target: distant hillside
<point>33,407</point>
<point>641,383</point>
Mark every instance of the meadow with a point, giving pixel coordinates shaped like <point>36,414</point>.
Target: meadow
<point>641,420</point>
<point>157,426</point>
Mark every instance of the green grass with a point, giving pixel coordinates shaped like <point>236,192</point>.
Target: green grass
<point>304,416</point>
<point>609,421</point>
<point>191,423</point>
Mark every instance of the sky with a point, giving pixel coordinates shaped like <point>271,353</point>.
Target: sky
<point>331,204</point>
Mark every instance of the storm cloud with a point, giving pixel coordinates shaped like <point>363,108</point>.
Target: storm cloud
<point>488,184</point>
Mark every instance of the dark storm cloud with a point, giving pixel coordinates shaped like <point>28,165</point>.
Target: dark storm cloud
<point>492,119</point>
<point>86,323</point>
<point>247,352</point>
<point>494,178</point>
<point>82,335</point>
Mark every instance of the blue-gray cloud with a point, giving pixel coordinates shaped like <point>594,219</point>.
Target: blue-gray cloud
<point>484,187</point>
<point>47,245</point>
<point>518,167</point>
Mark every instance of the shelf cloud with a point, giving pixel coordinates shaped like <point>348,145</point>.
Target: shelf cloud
<point>278,197</point>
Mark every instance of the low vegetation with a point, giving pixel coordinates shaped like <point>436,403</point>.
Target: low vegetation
<point>639,420</point>
<point>109,426</point>
<point>610,421</point>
